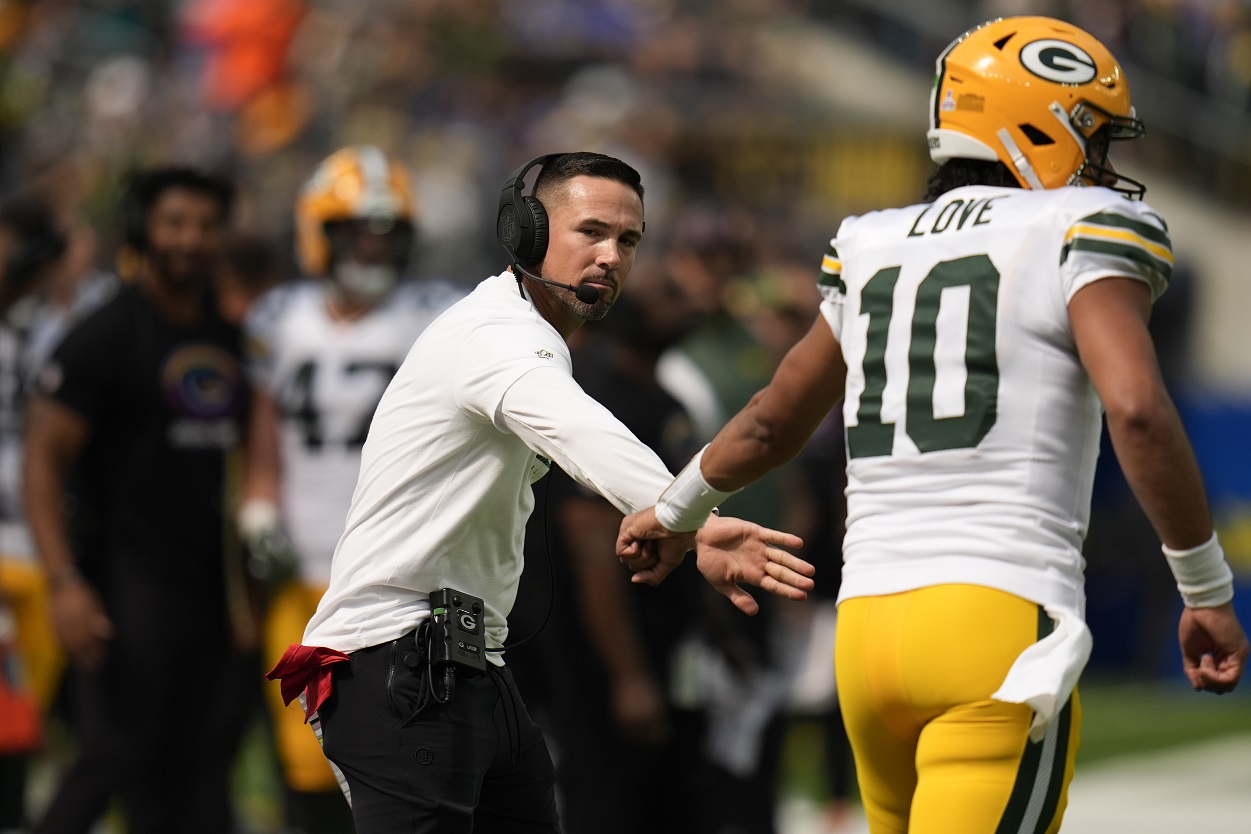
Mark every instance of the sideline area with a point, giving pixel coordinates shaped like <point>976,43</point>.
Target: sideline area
<point>1198,787</point>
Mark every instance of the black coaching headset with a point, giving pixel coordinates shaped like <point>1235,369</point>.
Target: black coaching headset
<point>521,222</point>
<point>521,229</point>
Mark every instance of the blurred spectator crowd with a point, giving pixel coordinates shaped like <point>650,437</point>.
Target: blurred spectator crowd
<point>696,94</point>
<point>1188,64</point>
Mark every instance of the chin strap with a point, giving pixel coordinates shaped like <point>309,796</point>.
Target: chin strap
<point>1018,160</point>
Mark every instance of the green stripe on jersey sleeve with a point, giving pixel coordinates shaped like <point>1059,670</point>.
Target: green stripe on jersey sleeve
<point>1120,221</point>
<point>830,279</point>
<point>1127,251</point>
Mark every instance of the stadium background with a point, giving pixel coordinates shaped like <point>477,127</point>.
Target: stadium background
<point>758,125</point>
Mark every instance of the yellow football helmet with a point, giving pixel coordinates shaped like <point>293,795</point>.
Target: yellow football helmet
<point>360,182</point>
<point>1031,92</point>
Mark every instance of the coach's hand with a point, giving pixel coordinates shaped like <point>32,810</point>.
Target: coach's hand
<point>649,550</point>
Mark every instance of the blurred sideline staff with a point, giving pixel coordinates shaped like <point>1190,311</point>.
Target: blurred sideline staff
<point>31,246</point>
<point>130,431</point>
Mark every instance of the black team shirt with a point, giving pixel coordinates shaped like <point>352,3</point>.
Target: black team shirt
<point>166,406</point>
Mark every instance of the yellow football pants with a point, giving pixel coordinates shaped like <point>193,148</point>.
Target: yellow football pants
<point>304,766</point>
<point>23,586</point>
<point>934,754</point>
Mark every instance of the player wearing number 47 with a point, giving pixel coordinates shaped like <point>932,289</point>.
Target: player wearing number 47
<point>974,340</point>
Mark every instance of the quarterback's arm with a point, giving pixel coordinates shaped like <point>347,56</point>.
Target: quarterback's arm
<point>1109,320</point>
<point>548,410</point>
<point>55,437</point>
<point>774,426</point>
<point>770,430</point>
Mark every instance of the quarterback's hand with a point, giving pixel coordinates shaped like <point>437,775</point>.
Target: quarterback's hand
<point>1214,648</point>
<point>730,550</point>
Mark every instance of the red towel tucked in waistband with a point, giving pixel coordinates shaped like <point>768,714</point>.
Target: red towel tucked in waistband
<point>306,669</point>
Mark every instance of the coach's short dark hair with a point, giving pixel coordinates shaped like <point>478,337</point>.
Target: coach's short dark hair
<point>585,164</point>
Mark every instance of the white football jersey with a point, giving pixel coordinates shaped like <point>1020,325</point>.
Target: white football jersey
<point>972,427</point>
<point>327,377</point>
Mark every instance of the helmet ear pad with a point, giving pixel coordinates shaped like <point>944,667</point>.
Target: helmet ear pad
<point>536,251</point>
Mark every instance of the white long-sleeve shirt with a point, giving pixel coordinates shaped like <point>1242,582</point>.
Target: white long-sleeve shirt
<point>444,489</point>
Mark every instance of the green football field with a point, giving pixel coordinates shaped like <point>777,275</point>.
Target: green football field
<point>1119,718</point>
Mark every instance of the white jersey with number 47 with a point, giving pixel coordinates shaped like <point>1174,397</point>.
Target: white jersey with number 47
<point>972,427</point>
<point>326,377</point>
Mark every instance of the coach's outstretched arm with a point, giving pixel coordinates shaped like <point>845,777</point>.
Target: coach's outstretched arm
<point>770,430</point>
<point>1109,319</point>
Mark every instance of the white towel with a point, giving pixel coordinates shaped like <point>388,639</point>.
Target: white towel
<point>1044,675</point>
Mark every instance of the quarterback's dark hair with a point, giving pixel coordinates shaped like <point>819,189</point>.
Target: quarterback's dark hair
<point>955,173</point>
<point>585,164</point>
<point>145,187</point>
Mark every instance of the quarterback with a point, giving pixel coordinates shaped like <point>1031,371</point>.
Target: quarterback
<point>975,341</point>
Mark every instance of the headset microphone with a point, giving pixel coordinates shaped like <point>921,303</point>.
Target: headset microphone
<point>585,293</point>
<point>521,229</point>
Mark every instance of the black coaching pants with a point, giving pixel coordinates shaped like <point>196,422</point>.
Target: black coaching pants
<point>477,764</point>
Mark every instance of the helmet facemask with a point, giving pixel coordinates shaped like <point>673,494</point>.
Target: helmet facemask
<point>368,257</point>
<point>356,222</point>
<point>1099,129</point>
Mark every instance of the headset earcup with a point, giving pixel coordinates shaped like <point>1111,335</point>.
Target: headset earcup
<point>508,231</point>
<point>538,235</point>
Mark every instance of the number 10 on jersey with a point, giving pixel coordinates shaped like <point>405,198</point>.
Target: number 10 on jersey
<point>951,369</point>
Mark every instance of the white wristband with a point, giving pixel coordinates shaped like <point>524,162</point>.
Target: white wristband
<point>1203,576</point>
<point>685,504</point>
<point>257,516</point>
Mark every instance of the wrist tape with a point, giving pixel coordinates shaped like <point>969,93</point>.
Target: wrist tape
<point>1203,576</point>
<point>685,504</point>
